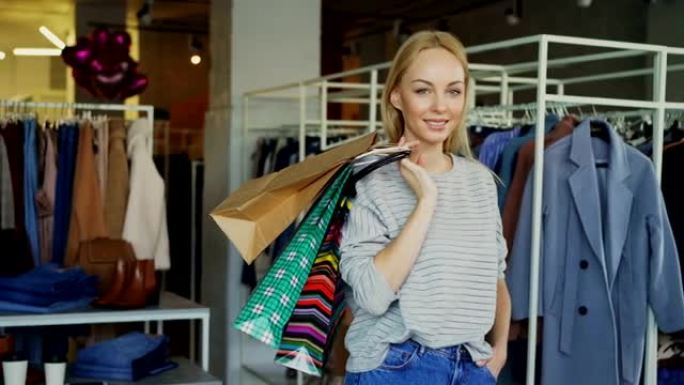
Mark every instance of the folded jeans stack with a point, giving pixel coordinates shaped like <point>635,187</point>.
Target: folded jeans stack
<point>47,289</point>
<point>126,358</point>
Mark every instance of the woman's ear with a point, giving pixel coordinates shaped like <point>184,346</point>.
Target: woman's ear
<point>395,99</point>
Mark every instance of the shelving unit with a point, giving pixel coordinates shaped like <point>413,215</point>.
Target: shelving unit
<point>171,307</point>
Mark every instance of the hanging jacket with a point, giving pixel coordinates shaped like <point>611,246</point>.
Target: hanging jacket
<point>6,194</point>
<point>117,178</point>
<point>45,199</point>
<point>607,254</point>
<point>31,188</point>
<point>145,222</point>
<point>87,213</point>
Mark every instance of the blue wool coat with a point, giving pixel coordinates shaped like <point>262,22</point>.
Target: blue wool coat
<point>607,254</point>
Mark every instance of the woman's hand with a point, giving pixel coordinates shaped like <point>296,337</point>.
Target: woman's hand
<point>496,363</point>
<point>415,175</point>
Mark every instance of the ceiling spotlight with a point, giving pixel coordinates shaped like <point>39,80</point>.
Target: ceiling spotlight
<point>514,14</point>
<point>584,3</point>
<point>511,17</point>
<point>195,59</point>
<point>2,55</point>
<point>54,39</point>
<point>145,14</point>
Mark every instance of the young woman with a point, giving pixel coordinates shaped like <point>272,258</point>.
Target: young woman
<point>422,251</point>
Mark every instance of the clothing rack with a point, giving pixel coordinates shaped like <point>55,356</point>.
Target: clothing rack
<point>69,108</point>
<point>505,84</point>
<point>147,109</point>
<point>658,104</point>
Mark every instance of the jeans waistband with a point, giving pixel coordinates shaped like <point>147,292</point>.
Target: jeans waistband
<point>456,352</point>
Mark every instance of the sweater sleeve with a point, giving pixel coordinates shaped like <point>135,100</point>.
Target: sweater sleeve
<point>502,248</point>
<point>363,237</point>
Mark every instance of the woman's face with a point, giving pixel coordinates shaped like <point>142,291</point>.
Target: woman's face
<point>431,96</point>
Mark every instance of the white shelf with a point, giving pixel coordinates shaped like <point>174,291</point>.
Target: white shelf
<point>171,307</point>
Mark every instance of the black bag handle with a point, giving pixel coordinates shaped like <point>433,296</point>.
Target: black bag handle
<point>351,183</point>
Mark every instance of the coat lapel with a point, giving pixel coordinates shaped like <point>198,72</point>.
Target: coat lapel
<point>585,193</point>
<point>619,204</point>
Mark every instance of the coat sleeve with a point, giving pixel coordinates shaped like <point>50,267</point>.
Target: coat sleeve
<point>363,237</point>
<point>519,258</point>
<point>665,293</point>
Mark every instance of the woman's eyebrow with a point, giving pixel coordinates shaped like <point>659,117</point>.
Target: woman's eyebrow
<point>429,83</point>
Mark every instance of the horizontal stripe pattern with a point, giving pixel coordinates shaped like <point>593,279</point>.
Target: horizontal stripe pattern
<point>449,298</point>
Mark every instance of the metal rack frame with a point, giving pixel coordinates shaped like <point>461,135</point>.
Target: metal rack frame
<point>71,107</point>
<point>505,84</point>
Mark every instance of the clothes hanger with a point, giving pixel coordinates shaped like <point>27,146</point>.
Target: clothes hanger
<point>599,129</point>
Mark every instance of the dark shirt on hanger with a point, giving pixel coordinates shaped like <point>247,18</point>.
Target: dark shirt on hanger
<point>673,193</point>
<point>15,246</point>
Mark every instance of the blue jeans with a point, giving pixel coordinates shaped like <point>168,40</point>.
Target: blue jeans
<point>411,363</point>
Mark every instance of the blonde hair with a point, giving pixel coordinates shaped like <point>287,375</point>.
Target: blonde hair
<point>392,118</point>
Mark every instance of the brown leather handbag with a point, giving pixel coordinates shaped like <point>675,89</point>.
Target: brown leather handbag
<point>99,257</point>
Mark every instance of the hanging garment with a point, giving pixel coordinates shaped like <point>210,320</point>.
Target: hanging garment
<point>45,199</point>
<point>524,164</point>
<point>15,247</point>
<point>101,128</point>
<point>66,166</point>
<point>31,188</point>
<point>493,146</point>
<point>6,195</point>
<point>510,153</point>
<point>145,224</point>
<point>117,179</point>
<point>673,193</point>
<point>13,135</point>
<point>607,254</point>
<point>87,213</point>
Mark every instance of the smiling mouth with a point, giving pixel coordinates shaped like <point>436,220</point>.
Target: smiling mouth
<point>436,124</point>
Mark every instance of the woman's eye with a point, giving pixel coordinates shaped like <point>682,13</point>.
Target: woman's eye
<point>422,91</point>
<point>455,92</point>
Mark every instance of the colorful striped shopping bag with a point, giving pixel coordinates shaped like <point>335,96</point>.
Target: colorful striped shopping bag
<point>309,331</point>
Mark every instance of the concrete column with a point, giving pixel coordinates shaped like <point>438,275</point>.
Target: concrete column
<point>254,44</point>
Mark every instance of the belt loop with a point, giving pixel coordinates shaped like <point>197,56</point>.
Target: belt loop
<point>421,349</point>
<point>462,352</point>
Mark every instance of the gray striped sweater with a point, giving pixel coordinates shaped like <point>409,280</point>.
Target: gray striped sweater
<point>449,297</point>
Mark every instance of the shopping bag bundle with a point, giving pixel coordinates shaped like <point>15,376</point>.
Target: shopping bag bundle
<point>309,331</point>
<point>296,306</point>
<point>272,302</point>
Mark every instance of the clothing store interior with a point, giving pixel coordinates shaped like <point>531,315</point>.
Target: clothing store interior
<point>174,179</point>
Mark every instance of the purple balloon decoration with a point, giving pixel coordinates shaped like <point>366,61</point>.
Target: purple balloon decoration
<point>103,66</point>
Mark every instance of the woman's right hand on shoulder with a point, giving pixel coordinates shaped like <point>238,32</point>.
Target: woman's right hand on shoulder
<point>416,176</point>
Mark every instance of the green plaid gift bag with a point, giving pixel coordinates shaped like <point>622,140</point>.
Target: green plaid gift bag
<point>272,302</point>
